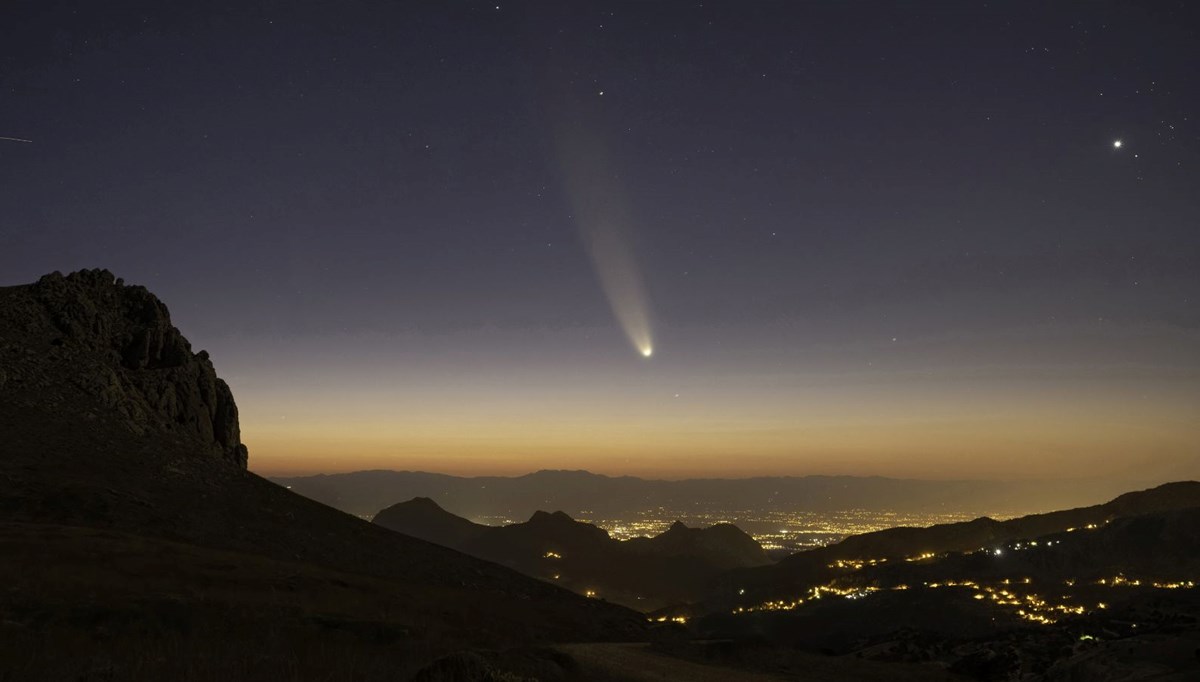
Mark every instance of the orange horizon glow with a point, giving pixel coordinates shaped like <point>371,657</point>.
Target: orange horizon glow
<point>1034,442</point>
<point>1003,409</point>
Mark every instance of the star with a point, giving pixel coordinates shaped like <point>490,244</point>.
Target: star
<point>1117,144</point>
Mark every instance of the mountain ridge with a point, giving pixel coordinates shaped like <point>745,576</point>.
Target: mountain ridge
<point>907,544</point>
<point>644,573</point>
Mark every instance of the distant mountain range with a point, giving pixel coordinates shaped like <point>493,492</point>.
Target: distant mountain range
<point>642,573</point>
<point>581,493</point>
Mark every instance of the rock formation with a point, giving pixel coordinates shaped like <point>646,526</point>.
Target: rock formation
<point>118,345</point>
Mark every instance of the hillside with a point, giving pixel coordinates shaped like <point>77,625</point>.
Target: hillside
<point>422,518</point>
<point>642,573</point>
<point>899,544</point>
<point>120,443</point>
<point>984,532</point>
<point>1021,606</point>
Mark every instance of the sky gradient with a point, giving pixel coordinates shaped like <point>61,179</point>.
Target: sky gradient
<point>861,238</point>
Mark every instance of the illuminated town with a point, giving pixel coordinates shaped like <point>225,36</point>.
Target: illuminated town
<point>1016,595</point>
<point>779,532</point>
<point>1037,603</point>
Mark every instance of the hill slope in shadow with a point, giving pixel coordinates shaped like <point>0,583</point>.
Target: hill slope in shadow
<point>1113,599</point>
<point>903,544</point>
<point>121,448</point>
<point>643,573</point>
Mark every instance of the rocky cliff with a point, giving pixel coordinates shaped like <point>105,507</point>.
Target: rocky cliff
<point>88,332</point>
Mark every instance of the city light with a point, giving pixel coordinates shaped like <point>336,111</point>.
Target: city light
<point>1008,593</point>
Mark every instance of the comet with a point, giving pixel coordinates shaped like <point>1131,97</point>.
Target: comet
<point>620,278</point>
<point>602,216</point>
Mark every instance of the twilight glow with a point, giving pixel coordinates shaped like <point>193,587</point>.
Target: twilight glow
<point>946,241</point>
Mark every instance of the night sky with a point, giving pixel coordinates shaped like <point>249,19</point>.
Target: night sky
<point>860,238</point>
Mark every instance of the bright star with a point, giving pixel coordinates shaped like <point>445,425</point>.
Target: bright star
<point>1117,144</point>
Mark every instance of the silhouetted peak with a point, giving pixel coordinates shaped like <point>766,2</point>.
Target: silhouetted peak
<point>546,518</point>
<point>983,521</point>
<point>89,332</point>
<point>424,503</point>
<point>1166,496</point>
<point>423,518</point>
<point>723,545</point>
<point>725,529</point>
<point>418,507</point>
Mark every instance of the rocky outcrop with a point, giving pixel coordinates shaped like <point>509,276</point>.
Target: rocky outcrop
<point>123,351</point>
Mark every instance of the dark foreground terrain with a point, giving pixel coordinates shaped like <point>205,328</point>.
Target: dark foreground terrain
<point>136,545</point>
